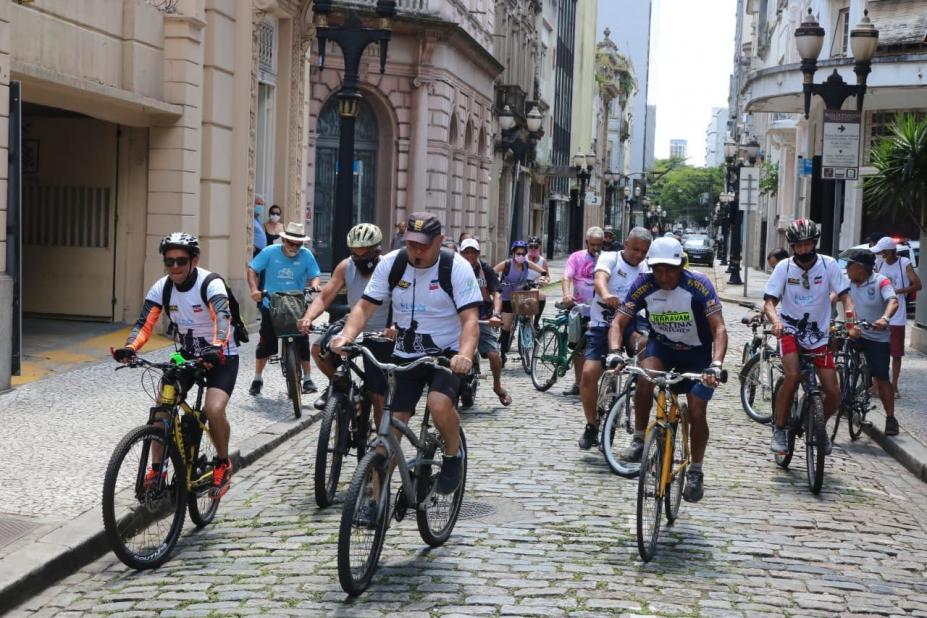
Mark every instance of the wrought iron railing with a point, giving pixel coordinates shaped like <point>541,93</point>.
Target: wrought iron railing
<point>412,6</point>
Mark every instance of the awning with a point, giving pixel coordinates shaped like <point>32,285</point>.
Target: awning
<point>900,22</point>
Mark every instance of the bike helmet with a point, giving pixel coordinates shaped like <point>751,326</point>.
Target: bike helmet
<point>534,240</point>
<point>802,229</point>
<point>180,240</point>
<point>364,235</point>
<point>518,244</point>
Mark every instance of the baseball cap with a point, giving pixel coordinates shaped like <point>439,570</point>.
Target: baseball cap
<point>885,244</point>
<point>422,227</point>
<point>859,256</point>
<point>470,243</point>
<point>665,251</point>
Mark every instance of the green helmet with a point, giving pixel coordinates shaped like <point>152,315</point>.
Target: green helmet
<point>364,235</point>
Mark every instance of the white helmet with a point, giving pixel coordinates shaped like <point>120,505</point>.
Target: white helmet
<point>364,235</point>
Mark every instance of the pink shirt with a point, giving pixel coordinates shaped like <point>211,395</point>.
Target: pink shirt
<point>580,268</point>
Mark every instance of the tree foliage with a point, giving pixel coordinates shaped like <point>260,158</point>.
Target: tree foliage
<point>769,178</point>
<point>685,192</point>
<point>900,186</point>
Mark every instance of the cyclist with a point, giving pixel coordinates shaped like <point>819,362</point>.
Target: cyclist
<point>578,288</point>
<point>687,333</point>
<point>491,310</point>
<point>350,277</point>
<point>876,302</point>
<point>201,332</point>
<point>535,257</point>
<point>610,242</point>
<point>514,278</point>
<point>803,285</point>
<point>430,323</point>
<point>286,267</point>
<point>615,272</point>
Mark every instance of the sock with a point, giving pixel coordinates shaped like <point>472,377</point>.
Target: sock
<point>695,467</point>
<point>258,377</point>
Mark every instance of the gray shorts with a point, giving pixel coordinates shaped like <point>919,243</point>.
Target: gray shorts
<point>488,342</point>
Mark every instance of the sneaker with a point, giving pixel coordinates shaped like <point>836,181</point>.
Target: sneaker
<point>590,437</point>
<point>451,474</point>
<point>319,404</point>
<point>309,386</point>
<point>633,453</point>
<point>891,426</point>
<point>255,389</point>
<point>221,480</point>
<point>151,478</point>
<point>366,515</point>
<point>573,390</point>
<point>694,489</point>
<point>779,443</point>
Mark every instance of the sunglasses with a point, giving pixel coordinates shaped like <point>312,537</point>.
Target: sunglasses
<point>517,253</point>
<point>805,283</point>
<point>181,261</point>
<point>290,243</point>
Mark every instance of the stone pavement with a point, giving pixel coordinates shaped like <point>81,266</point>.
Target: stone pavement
<point>561,538</point>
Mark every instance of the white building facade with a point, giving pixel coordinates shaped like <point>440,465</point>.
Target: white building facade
<point>714,137</point>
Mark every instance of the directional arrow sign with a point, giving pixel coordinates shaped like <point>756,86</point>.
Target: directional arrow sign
<point>840,160</point>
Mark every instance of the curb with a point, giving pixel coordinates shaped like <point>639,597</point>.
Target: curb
<point>904,448</point>
<point>49,555</point>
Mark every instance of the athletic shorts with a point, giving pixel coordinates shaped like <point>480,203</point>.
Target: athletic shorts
<point>824,358</point>
<point>267,339</point>
<point>693,360</point>
<point>488,342</point>
<point>410,385</point>
<point>597,340</point>
<point>878,357</point>
<point>221,376</point>
<point>896,341</point>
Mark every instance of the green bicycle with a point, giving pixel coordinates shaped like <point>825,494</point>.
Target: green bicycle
<point>553,354</point>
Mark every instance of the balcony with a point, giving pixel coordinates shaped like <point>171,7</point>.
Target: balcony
<point>403,6</point>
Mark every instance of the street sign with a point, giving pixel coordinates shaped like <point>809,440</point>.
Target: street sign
<point>840,160</point>
<point>749,189</point>
<point>807,167</point>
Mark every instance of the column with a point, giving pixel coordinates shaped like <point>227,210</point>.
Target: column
<point>418,146</point>
<point>6,282</point>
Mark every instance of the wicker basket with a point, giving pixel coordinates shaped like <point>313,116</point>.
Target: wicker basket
<point>525,302</point>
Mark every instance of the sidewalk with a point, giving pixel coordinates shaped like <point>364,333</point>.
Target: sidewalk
<point>910,446</point>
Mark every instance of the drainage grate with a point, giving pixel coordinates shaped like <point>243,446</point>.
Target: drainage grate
<point>475,510</point>
<point>12,529</point>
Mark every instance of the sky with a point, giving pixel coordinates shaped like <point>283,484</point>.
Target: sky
<point>691,57</point>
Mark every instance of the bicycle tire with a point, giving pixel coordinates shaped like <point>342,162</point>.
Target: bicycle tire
<point>606,394</point>
<point>168,498</point>
<point>857,419</point>
<point>815,435</point>
<point>649,503</point>
<point>546,348</point>
<point>354,580</point>
<point>619,423</point>
<point>844,380</point>
<point>678,442</point>
<point>293,370</point>
<point>526,336</point>
<point>752,384</point>
<point>468,391</point>
<point>201,506</point>
<point>331,448</point>
<point>746,355</point>
<point>445,509</point>
<point>784,459</point>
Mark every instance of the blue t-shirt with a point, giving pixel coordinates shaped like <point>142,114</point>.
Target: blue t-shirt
<point>678,317</point>
<point>283,273</point>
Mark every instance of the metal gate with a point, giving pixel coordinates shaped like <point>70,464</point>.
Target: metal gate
<point>14,221</point>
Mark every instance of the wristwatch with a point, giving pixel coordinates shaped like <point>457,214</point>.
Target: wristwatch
<point>497,315</point>
<point>717,364</point>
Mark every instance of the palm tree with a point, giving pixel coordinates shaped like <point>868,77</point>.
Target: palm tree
<point>899,188</point>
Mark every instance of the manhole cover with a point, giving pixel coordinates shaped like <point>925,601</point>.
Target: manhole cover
<point>12,529</point>
<point>475,510</point>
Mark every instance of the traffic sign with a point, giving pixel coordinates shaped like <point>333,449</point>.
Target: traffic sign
<point>807,167</point>
<point>749,189</point>
<point>840,160</point>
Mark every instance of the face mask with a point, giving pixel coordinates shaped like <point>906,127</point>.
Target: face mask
<point>366,264</point>
<point>275,218</point>
<point>521,259</point>
<point>535,253</point>
<point>806,258</point>
<point>258,210</point>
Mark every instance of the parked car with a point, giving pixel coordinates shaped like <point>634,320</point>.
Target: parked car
<point>700,249</point>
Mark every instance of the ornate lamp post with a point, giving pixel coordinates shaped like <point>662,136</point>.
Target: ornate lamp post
<point>353,38</point>
<point>611,186</point>
<point>583,164</point>
<point>748,152</point>
<point>522,144</point>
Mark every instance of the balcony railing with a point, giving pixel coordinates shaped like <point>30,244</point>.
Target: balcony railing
<point>408,6</point>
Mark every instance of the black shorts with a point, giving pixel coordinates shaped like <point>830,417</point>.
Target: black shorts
<point>375,380</point>
<point>878,357</point>
<point>409,386</point>
<point>506,306</point>
<point>267,342</point>
<point>221,376</point>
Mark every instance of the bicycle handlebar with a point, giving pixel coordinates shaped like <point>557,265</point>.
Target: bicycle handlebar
<point>138,362</point>
<point>668,378</point>
<point>436,361</point>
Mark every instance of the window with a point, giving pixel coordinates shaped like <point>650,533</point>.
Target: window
<point>843,29</point>
<point>266,116</point>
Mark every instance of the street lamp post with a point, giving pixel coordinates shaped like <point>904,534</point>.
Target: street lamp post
<point>611,187</point>
<point>809,39</point>
<point>583,164</point>
<point>353,38</point>
<point>748,152</point>
<point>522,144</point>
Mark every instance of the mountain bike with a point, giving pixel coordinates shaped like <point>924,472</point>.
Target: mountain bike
<point>366,512</point>
<point>289,360</point>
<point>854,378</point>
<point>143,508</point>
<point>663,462</point>
<point>762,367</point>
<point>553,354</point>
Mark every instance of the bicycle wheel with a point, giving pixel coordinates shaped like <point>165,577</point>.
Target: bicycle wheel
<point>678,442</point>
<point>784,459</point>
<point>293,371</point>
<point>545,360</point>
<point>746,354</point>
<point>649,502</point>
<point>606,394</point>
<point>201,506</point>
<point>437,514</point>
<point>331,448</point>
<point>363,523</point>
<point>142,524</point>
<point>857,418</point>
<point>618,433</point>
<point>525,342</point>
<point>844,381</point>
<point>468,389</point>
<point>815,435</point>
<point>756,387</point>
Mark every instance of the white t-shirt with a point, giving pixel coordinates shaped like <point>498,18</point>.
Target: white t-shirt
<point>418,297</point>
<point>870,299</point>
<point>622,276</point>
<point>534,275</point>
<point>804,297</point>
<point>897,273</point>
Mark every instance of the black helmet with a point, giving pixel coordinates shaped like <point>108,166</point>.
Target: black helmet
<point>802,229</point>
<point>534,240</point>
<point>180,240</point>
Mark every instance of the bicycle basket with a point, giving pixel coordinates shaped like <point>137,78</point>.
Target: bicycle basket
<point>525,302</point>
<point>285,309</point>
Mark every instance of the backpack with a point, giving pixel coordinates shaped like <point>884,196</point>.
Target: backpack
<point>239,330</point>
<point>445,267</point>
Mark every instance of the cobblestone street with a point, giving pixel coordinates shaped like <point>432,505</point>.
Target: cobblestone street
<point>560,538</point>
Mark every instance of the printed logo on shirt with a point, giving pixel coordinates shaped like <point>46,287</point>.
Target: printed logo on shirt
<point>172,308</point>
<point>623,274</point>
<point>433,285</point>
<point>672,321</point>
<point>698,285</point>
<point>818,280</point>
<point>870,291</point>
<point>794,281</point>
<point>404,284</point>
<point>197,308</point>
<point>286,273</point>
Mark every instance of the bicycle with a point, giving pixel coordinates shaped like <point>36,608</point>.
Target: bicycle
<point>525,309</point>
<point>806,418</point>
<point>289,360</point>
<point>853,374</point>
<point>663,464</point>
<point>187,462</point>
<point>553,355</point>
<point>366,512</point>
<point>619,422</point>
<point>471,381</point>
<point>761,368</point>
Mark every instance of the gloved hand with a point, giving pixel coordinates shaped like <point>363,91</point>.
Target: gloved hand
<point>123,355</point>
<point>615,360</point>
<point>213,355</point>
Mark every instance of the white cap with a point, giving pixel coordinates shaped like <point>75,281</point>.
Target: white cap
<point>885,244</point>
<point>469,243</point>
<point>665,251</point>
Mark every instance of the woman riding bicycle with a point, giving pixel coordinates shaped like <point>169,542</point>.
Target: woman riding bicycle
<point>514,275</point>
<point>535,257</point>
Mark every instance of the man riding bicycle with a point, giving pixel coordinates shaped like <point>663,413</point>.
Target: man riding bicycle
<point>201,332</point>
<point>578,287</point>
<point>615,272</point>
<point>802,287</point>
<point>432,320</point>
<point>286,267</point>
<point>351,277</point>
<point>687,333</point>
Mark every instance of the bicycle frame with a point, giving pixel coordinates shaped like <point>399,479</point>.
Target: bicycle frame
<point>667,415</point>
